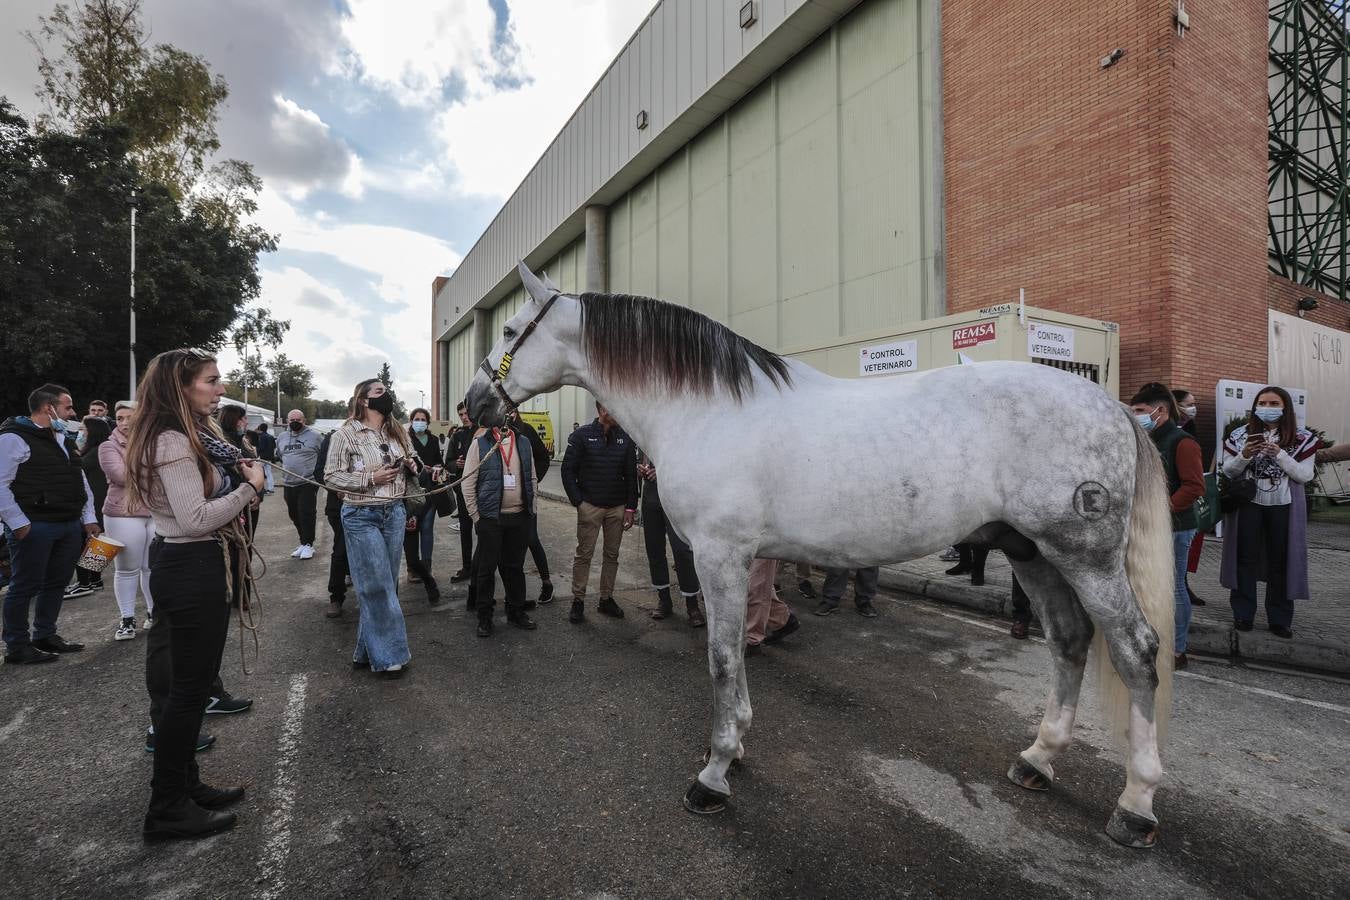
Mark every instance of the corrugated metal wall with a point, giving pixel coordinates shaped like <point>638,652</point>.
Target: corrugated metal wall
<point>460,366</point>
<point>801,213</point>
<point>680,56</point>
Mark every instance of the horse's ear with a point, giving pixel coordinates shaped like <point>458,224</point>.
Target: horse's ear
<point>537,289</point>
<point>548,283</point>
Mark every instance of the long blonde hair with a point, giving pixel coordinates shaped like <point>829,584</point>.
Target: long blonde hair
<point>356,411</point>
<point>162,405</point>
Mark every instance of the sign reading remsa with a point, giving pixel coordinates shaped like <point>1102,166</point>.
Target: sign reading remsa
<point>973,335</point>
<point>1049,341</point>
<point>894,358</point>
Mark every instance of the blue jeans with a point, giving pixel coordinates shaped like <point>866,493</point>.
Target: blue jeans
<point>374,536</point>
<point>1181,598</point>
<point>43,563</point>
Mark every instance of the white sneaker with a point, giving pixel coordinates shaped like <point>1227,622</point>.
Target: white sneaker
<point>306,552</point>
<point>126,631</point>
<point>454,526</point>
<point>149,621</point>
<point>295,554</point>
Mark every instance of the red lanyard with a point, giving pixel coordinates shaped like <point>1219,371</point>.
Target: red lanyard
<point>508,448</point>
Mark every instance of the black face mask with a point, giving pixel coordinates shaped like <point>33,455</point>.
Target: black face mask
<point>297,427</point>
<point>383,404</point>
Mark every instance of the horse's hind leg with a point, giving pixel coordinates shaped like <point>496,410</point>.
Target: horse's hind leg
<point>1131,682</point>
<point>725,578</point>
<point>1068,633</point>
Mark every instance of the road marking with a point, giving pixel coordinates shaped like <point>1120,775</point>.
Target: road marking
<point>1248,689</point>
<point>278,829</point>
<point>8,731</point>
<point>1266,692</point>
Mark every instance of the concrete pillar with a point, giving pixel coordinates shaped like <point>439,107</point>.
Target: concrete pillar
<point>597,249</point>
<point>483,338</point>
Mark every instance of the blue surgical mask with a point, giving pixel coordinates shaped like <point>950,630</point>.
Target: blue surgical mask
<point>58,424</point>
<point>1145,421</point>
<point>419,426</point>
<point>80,439</point>
<point>1269,414</point>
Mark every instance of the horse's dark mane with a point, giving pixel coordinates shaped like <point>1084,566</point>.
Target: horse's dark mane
<point>631,340</point>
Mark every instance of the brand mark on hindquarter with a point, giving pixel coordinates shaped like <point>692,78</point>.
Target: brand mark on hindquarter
<point>1091,500</point>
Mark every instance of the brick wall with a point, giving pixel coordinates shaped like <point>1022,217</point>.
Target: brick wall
<point>1282,295</point>
<point>1134,193</point>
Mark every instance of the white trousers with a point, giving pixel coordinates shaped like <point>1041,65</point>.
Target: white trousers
<point>132,564</point>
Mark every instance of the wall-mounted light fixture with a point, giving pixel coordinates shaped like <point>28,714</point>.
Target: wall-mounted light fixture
<point>748,16</point>
<point>1306,305</point>
<point>641,119</point>
<point>1113,57</point>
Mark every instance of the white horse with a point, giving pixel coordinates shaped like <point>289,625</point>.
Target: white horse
<point>1034,461</point>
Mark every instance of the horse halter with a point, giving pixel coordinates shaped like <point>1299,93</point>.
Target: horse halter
<point>495,376</point>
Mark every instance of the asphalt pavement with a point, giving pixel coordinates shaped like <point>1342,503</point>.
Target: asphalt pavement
<point>552,763</point>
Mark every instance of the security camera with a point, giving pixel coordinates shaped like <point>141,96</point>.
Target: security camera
<point>1307,304</point>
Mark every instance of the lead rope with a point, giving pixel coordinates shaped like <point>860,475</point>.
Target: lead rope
<point>239,549</point>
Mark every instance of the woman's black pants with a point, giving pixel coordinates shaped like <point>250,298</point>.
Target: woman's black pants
<point>190,586</point>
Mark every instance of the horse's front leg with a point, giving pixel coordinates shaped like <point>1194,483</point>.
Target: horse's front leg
<point>724,578</point>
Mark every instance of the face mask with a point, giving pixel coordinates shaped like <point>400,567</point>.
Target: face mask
<point>1145,421</point>
<point>1188,412</point>
<point>80,439</point>
<point>1269,414</point>
<point>383,404</point>
<point>297,427</point>
<point>419,426</point>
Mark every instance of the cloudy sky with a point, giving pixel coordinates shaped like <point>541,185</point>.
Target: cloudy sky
<point>387,132</point>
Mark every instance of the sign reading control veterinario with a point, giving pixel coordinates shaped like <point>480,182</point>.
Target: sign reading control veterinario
<point>1049,341</point>
<point>894,358</point>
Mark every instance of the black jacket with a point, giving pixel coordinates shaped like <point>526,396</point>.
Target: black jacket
<point>430,454</point>
<point>266,444</point>
<point>49,487</point>
<point>457,446</point>
<point>599,468</point>
<point>538,452</point>
<point>333,501</point>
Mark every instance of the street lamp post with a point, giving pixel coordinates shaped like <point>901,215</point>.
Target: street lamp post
<point>131,345</point>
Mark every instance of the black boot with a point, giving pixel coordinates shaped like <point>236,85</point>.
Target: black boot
<point>208,797</point>
<point>696,619</point>
<point>433,589</point>
<point>664,606</point>
<point>184,819</point>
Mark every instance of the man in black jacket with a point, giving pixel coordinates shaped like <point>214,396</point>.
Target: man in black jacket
<point>455,450</point>
<point>599,474</point>
<point>48,511</point>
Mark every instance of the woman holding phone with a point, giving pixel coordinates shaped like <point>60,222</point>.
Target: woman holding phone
<point>369,461</point>
<point>1273,528</point>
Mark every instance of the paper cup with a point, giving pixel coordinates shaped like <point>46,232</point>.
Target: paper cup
<point>99,552</point>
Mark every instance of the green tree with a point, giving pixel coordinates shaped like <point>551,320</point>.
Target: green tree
<point>97,68</point>
<point>386,377</point>
<point>296,380</point>
<point>64,263</point>
<point>255,328</point>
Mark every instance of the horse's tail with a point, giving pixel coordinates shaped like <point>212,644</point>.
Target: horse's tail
<point>1150,569</point>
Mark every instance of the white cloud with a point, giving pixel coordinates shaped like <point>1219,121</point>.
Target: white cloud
<point>413,52</point>
<point>304,153</point>
<point>329,335</point>
<point>494,137</point>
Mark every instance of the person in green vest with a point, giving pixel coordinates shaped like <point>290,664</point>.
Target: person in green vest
<point>1156,412</point>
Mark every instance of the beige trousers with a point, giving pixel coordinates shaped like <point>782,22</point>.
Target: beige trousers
<point>765,611</point>
<point>591,521</point>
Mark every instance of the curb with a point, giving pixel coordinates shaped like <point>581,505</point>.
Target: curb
<point>1205,637</point>
<point>995,599</point>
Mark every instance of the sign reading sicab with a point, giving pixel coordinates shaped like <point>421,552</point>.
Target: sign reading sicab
<point>1049,341</point>
<point>894,358</point>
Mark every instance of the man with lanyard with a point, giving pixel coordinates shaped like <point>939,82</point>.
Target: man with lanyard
<point>1153,408</point>
<point>48,510</point>
<point>500,497</point>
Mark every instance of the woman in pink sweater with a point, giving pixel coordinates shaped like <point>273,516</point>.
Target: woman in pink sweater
<point>129,524</point>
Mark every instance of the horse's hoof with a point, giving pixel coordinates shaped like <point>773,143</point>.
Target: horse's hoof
<point>703,800</point>
<point>1132,829</point>
<point>1024,774</point>
<point>735,761</point>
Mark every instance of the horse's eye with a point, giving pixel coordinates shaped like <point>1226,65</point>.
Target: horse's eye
<point>508,332</point>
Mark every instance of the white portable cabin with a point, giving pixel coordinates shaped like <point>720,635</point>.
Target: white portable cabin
<point>1008,331</point>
